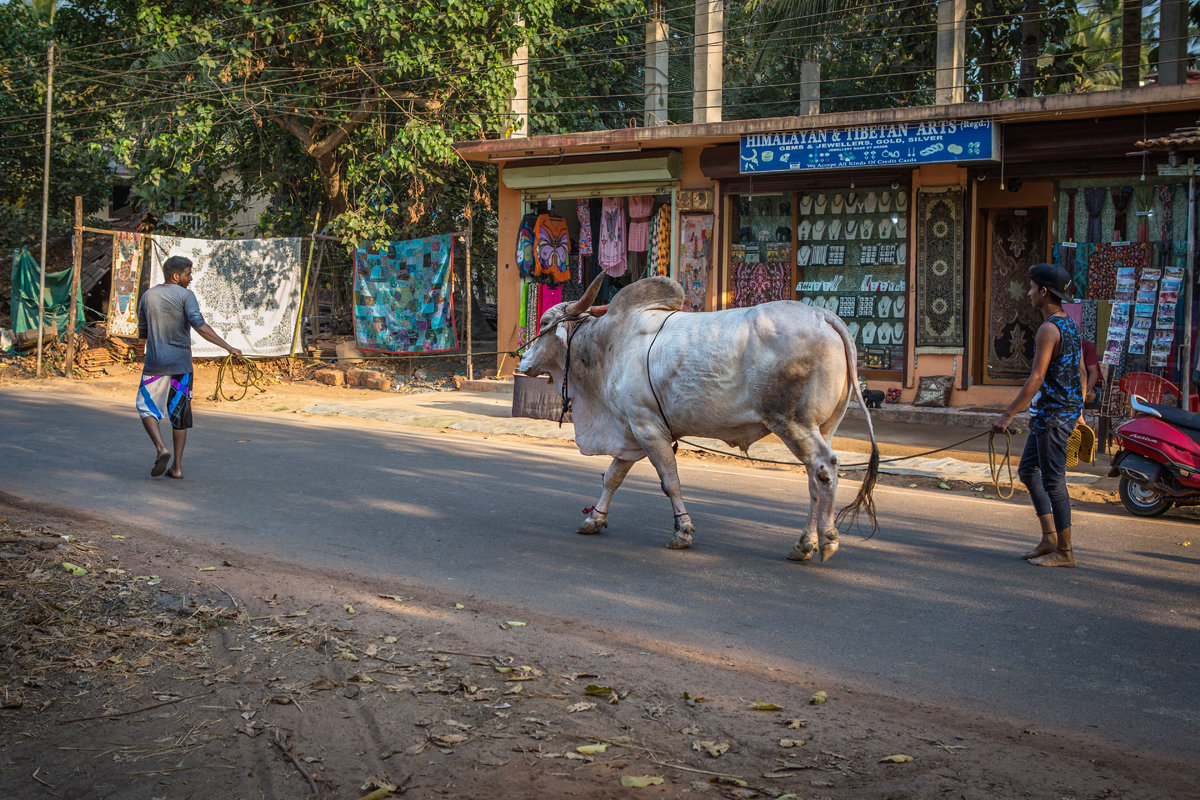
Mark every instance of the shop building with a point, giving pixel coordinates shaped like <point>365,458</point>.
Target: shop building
<point>916,225</point>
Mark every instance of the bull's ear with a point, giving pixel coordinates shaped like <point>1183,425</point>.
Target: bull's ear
<point>598,311</point>
<point>584,303</point>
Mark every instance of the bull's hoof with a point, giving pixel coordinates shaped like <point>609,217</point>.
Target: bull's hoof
<point>800,553</point>
<point>828,549</point>
<point>591,525</point>
<point>680,541</point>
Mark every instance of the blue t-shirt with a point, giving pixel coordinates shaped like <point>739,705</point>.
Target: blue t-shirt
<point>1060,400</point>
<point>166,315</point>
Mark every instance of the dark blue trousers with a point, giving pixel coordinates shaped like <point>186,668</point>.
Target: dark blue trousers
<point>1043,470</point>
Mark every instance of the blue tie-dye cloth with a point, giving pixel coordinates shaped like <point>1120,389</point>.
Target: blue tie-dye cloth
<point>403,301</point>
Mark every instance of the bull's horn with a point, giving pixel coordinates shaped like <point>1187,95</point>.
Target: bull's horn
<point>598,311</point>
<point>584,303</point>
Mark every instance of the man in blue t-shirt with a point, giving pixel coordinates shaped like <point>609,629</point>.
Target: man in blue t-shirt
<point>167,313</point>
<point>1054,392</point>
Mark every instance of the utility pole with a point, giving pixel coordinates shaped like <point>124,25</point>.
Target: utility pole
<point>708,61</point>
<point>951,52</point>
<point>45,203</point>
<point>654,111</point>
<point>519,105</point>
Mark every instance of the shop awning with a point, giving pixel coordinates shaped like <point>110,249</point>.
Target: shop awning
<point>640,175</point>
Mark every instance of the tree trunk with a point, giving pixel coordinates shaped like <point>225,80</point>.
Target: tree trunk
<point>1031,47</point>
<point>335,204</point>
<point>1131,43</point>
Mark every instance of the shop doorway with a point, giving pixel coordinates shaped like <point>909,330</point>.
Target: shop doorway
<point>1016,241</point>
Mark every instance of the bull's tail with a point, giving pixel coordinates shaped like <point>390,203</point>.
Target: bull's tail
<point>863,502</point>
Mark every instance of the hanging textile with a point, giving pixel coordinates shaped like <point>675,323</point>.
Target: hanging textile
<point>552,248</point>
<point>1166,231</point>
<point>1093,200</point>
<point>584,212</point>
<point>548,298</point>
<point>403,296</point>
<point>753,281</point>
<point>524,334</point>
<point>526,258</point>
<point>1074,259</point>
<point>248,290</point>
<point>1144,195</point>
<point>123,296</point>
<point>695,255</point>
<point>26,281</point>
<point>659,259</point>
<point>573,288</point>
<point>1070,232</point>
<point>1017,244</point>
<point>1121,195</point>
<point>1106,260</point>
<point>639,223</point>
<point>613,258</point>
<point>939,268</point>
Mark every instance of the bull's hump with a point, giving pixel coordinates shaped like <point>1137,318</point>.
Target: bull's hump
<point>654,292</point>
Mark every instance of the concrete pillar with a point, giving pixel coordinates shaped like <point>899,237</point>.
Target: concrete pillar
<point>520,96</point>
<point>1172,42</point>
<point>655,108</point>
<point>810,88</point>
<point>709,60</point>
<point>951,52</point>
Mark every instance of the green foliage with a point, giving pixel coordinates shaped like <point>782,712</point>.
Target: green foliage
<point>81,124</point>
<point>350,107</point>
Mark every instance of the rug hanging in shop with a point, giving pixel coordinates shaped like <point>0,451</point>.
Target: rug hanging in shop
<point>123,297</point>
<point>248,290</point>
<point>403,301</point>
<point>695,256</point>
<point>762,274</point>
<point>939,273</point>
<point>1018,242</point>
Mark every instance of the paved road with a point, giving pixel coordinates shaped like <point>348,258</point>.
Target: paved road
<point>935,606</point>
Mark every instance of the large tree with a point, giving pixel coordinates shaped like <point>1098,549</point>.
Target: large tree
<point>347,105</point>
<point>81,124</point>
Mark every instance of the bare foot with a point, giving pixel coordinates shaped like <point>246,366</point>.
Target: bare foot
<point>1059,558</point>
<point>1044,548</point>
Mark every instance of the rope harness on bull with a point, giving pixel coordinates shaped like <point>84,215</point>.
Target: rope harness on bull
<point>661,413</point>
<point>566,398</point>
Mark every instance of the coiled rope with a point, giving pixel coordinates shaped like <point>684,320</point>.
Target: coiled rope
<point>252,377</point>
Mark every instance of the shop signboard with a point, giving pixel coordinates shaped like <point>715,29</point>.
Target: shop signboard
<point>871,146</point>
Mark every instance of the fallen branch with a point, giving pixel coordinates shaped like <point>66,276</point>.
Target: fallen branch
<point>134,711</point>
<point>283,748</point>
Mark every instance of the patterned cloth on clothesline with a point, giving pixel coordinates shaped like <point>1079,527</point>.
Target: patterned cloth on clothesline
<point>126,273</point>
<point>403,296</point>
<point>248,290</point>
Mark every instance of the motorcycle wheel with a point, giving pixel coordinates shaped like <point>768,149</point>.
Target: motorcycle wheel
<point>1142,502</point>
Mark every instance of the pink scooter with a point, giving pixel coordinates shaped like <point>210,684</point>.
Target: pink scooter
<point>1159,459</point>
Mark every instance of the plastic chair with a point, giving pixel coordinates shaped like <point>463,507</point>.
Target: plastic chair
<point>1153,389</point>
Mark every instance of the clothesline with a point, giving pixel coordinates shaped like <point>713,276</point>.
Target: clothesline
<point>318,237</point>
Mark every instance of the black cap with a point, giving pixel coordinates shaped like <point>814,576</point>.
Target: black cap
<point>1053,279</point>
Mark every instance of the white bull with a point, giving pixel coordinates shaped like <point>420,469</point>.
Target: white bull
<point>639,376</point>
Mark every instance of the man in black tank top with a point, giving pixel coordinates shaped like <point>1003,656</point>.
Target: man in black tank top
<point>1054,392</point>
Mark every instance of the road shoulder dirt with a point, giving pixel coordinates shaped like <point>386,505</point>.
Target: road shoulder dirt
<point>171,670</point>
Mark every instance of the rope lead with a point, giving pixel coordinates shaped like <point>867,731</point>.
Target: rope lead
<point>253,378</point>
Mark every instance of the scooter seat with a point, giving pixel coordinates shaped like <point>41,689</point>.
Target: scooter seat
<point>1177,417</point>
